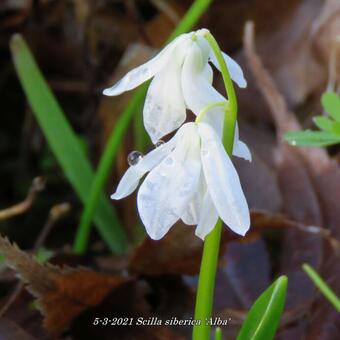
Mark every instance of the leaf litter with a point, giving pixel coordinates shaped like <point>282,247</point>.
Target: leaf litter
<point>292,192</point>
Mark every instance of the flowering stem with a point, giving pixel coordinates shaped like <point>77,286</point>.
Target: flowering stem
<point>206,281</point>
<point>231,110</point>
<point>207,108</point>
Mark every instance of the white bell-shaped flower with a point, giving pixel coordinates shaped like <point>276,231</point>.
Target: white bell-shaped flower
<point>182,79</point>
<point>192,178</point>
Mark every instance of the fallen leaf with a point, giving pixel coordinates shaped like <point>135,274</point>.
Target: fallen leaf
<point>9,330</point>
<point>62,293</point>
<point>178,252</point>
<point>312,186</point>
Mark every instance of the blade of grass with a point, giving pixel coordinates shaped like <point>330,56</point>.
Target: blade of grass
<point>264,316</point>
<point>103,169</point>
<point>189,20</point>
<point>218,333</point>
<point>322,285</point>
<point>63,141</point>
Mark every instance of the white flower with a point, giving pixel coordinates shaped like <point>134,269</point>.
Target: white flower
<point>182,79</point>
<point>191,178</point>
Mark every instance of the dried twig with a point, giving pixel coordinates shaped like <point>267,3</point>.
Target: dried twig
<point>57,212</point>
<point>166,8</point>
<point>316,159</point>
<point>263,220</point>
<point>284,119</point>
<point>38,185</point>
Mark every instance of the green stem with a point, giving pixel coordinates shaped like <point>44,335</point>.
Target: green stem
<point>196,10</point>
<point>206,282</point>
<point>231,115</point>
<point>207,108</point>
<point>218,333</point>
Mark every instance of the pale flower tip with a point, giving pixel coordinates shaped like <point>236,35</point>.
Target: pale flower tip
<point>199,235</point>
<point>114,196</point>
<point>107,92</point>
<point>243,231</point>
<point>242,83</point>
<point>203,31</point>
<point>154,236</point>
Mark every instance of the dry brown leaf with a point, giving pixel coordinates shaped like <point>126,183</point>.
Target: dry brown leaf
<point>326,39</point>
<point>9,330</point>
<point>311,181</point>
<point>62,293</point>
<point>178,252</point>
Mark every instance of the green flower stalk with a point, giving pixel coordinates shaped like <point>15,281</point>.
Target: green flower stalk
<point>191,177</point>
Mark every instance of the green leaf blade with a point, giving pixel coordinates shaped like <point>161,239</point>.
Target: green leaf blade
<point>63,141</point>
<point>326,124</point>
<point>331,103</point>
<point>311,138</point>
<point>322,285</point>
<point>264,316</point>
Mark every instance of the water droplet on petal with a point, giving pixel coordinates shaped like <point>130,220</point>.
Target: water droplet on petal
<point>159,143</point>
<point>134,157</point>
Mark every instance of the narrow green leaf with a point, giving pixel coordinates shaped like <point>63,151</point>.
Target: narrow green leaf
<point>311,138</point>
<point>331,103</point>
<point>323,286</point>
<point>323,123</point>
<point>63,141</point>
<point>327,124</point>
<point>264,316</point>
<point>196,10</point>
<point>104,167</point>
<point>218,333</point>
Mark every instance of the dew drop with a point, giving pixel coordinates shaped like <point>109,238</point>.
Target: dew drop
<point>159,143</point>
<point>134,157</point>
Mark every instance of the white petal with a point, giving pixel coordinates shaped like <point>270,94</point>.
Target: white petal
<point>145,71</point>
<point>193,211</point>
<point>234,69</point>
<point>134,173</point>
<point>215,118</point>
<point>223,182</point>
<point>164,108</point>
<point>240,149</point>
<point>204,47</point>
<point>208,217</point>
<point>197,91</point>
<point>168,188</point>
<point>208,74</point>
